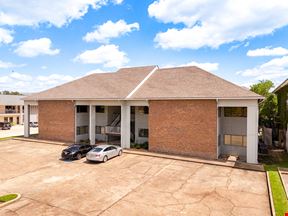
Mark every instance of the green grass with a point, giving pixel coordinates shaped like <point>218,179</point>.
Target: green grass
<point>7,197</point>
<point>10,137</point>
<point>278,192</point>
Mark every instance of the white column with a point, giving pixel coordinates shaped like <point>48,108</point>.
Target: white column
<point>125,125</point>
<point>26,120</point>
<point>92,124</point>
<point>252,133</point>
<point>21,115</point>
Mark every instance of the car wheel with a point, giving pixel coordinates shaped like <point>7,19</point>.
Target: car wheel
<point>105,158</point>
<point>78,156</point>
<point>120,153</point>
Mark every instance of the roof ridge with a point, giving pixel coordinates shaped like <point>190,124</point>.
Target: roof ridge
<point>142,82</point>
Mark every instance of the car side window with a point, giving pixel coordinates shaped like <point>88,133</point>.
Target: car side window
<point>113,147</point>
<point>107,149</point>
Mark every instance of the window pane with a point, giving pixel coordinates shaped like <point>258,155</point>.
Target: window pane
<point>100,109</point>
<point>235,112</point>
<point>244,141</point>
<point>227,139</point>
<point>146,110</point>
<point>82,130</point>
<point>98,129</point>
<point>143,132</point>
<point>236,140</point>
<point>82,109</point>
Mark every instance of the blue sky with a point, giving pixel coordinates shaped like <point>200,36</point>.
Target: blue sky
<point>43,44</point>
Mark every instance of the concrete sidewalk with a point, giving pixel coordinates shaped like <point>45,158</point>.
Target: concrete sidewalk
<point>16,130</point>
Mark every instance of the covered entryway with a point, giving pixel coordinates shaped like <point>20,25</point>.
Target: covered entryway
<point>114,122</point>
<point>232,138</point>
<point>237,129</point>
<point>106,123</point>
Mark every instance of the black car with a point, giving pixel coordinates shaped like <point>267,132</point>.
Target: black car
<point>76,151</point>
<point>5,125</point>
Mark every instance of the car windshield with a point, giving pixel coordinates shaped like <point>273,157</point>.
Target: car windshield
<point>97,149</point>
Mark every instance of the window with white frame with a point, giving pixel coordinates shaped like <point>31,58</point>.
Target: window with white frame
<point>235,112</point>
<point>82,130</point>
<point>237,140</point>
<point>143,132</point>
<point>82,109</point>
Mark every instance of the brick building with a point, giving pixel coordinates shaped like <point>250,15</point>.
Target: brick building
<point>184,110</point>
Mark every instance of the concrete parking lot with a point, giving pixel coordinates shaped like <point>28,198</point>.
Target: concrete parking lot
<point>126,185</point>
<point>16,130</point>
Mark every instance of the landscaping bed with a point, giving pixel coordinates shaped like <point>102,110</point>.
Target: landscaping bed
<point>8,198</point>
<point>271,164</point>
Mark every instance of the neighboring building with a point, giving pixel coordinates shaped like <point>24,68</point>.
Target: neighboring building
<point>12,109</point>
<point>282,96</point>
<point>183,110</point>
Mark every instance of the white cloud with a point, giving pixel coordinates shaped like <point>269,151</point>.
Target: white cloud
<point>6,65</point>
<point>110,30</point>
<point>211,23</point>
<point>275,70</point>
<point>268,51</point>
<point>32,48</point>
<point>20,77</point>
<point>23,82</point>
<point>58,13</point>
<point>108,55</point>
<point>208,66</point>
<point>44,67</point>
<point>5,36</point>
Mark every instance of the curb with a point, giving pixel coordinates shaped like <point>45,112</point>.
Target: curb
<point>272,208</point>
<point>42,141</point>
<point>190,159</point>
<point>11,201</point>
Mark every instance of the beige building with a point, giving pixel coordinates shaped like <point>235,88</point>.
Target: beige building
<point>185,111</point>
<point>12,109</point>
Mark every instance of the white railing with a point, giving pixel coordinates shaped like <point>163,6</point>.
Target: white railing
<point>112,130</point>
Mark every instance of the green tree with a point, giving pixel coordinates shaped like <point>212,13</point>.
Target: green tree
<point>267,107</point>
<point>5,92</point>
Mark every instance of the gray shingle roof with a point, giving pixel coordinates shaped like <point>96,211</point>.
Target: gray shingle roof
<point>189,82</point>
<point>169,83</point>
<point>97,86</point>
<point>11,100</point>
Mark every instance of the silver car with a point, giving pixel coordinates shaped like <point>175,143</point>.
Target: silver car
<point>103,153</point>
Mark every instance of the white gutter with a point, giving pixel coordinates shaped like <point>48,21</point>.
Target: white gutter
<point>142,82</point>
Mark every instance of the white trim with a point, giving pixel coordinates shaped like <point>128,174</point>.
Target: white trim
<point>35,103</point>
<point>26,120</point>
<point>236,103</point>
<point>252,134</point>
<point>142,82</point>
<point>92,124</point>
<point>98,102</point>
<point>125,125</point>
<point>141,99</point>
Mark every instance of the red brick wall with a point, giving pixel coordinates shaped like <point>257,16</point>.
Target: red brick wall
<point>186,127</point>
<point>56,120</point>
